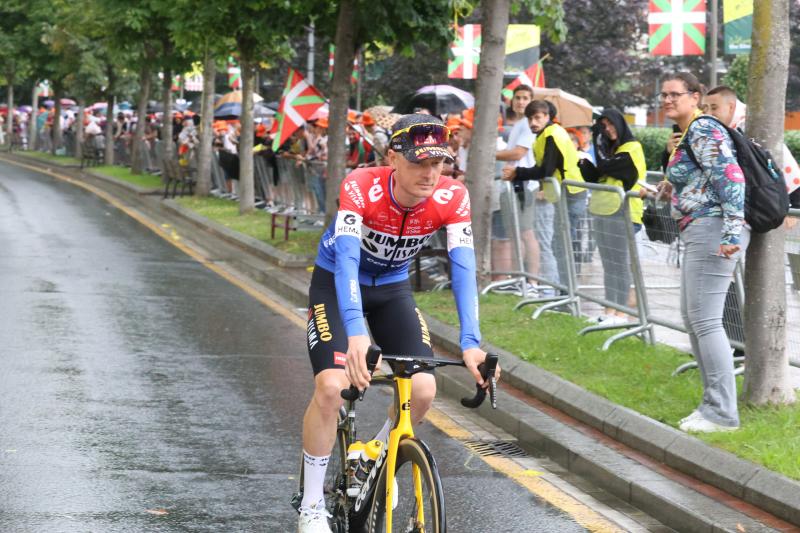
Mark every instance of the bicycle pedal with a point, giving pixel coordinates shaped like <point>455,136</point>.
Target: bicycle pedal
<point>297,499</point>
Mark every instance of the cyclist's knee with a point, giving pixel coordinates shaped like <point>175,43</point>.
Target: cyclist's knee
<point>328,388</point>
<point>423,392</point>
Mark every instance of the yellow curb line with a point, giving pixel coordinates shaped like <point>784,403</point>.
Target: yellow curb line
<point>528,479</point>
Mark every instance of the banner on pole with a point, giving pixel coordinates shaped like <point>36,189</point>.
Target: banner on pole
<point>522,47</point>
<point>465,53</point>
<point>737,19</point>
<point>677,27</point>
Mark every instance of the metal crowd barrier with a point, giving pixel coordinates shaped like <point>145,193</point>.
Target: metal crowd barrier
<point>653,259</point>
<point>550,290</point>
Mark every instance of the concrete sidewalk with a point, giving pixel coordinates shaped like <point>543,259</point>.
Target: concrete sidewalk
<point>676,478</point>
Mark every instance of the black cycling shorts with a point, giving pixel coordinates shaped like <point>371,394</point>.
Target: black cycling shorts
<point>394,320</point>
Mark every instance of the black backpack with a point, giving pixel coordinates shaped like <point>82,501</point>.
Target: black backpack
<point>766,202</point>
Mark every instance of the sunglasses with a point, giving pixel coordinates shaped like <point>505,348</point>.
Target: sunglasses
<point>422,134</point>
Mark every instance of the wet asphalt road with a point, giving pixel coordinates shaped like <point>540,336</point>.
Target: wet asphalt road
<point>141,392</point>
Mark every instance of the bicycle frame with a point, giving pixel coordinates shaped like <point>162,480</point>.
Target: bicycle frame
<point>402,430</point>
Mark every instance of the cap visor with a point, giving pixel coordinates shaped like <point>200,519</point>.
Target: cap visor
<point>421,153</point>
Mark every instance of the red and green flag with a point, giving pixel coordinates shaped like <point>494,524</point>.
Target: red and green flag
<point>299,101</point>
<point>234,74</point>
<point>532,77</point>
<point>677,27</point>
<point>353,75</point>
<point>465,53</point>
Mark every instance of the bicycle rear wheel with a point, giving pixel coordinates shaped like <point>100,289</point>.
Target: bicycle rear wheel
<point>414,462</point>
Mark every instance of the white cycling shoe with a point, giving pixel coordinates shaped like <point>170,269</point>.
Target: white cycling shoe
<point>313,520</point>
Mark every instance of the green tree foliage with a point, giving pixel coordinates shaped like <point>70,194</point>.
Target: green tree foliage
<point>736,77</point>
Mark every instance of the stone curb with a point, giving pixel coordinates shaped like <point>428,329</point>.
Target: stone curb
<point>743,479</point>
<point>245,242</point>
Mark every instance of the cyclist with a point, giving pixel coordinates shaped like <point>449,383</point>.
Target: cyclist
<point>386,215</point>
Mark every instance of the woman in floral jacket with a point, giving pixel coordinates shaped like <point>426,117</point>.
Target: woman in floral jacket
<point>708,202</point>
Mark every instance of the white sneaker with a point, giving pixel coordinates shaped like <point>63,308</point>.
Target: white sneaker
<point>694,414</point>
<point>701,425</point>
<point>313,520</point>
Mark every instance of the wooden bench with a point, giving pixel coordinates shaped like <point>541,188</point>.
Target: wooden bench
<point>173,174</point>
<point>90,155</point>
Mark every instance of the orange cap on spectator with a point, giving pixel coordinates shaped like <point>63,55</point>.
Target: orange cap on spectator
<point>261,130</point>
<point>321,123</point>
<point>367,119</point>
<point>352,116</point>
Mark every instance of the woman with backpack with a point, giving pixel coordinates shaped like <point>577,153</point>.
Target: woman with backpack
<point>620,162</point>
<point>707,192</point>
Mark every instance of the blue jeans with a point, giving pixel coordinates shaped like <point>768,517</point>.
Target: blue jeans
<point>576,210</point>
<point>543,224</point>
<point>705,277</point>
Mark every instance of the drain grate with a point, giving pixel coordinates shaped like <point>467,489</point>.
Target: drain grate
<point>503,448</point>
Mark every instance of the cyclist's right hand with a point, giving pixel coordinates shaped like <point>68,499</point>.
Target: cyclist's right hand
<point>355,366</point>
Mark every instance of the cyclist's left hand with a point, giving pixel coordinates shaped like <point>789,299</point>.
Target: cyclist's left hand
<point>472,358</point>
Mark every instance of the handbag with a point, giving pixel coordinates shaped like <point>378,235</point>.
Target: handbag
<point>659,224</point>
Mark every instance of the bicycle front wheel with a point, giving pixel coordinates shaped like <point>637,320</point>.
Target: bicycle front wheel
<point>418,500</point>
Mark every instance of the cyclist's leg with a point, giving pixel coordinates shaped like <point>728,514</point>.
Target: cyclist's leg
<point>398,328</point>
<point>327,344</point>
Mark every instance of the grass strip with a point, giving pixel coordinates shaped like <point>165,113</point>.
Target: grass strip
<point>255,224</point>
<point>145,181</point>
<point>630,373</point>
<point>47,156</point>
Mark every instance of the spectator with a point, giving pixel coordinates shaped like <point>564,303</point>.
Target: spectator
<point>378,135</point>
<point>557,157</point>
<point>708,202</point>
<point>317,156</point>
<point>621,163</point>
<point>519,151</point>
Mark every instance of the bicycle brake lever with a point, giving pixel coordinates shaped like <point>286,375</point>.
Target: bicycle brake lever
<point>352,394</point>
<point>487,370</point>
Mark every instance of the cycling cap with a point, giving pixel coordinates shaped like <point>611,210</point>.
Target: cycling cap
<point>420,137</point>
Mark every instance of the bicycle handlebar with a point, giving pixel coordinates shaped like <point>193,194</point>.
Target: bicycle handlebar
<point>487,370</point>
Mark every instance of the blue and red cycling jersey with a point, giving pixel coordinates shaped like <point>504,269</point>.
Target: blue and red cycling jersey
<point>373,240</point>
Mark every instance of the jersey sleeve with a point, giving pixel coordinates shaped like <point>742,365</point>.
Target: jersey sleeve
<point>462,262</point>
<point>347,244</point>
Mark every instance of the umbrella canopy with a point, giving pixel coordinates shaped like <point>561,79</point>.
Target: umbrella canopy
<point>262,111</point>
<point>438,99</point>
<point>230,104</point>
<point>572,110</point>
<point>383,116</point>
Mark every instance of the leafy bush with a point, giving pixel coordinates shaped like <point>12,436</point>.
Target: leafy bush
<point>653,140</point>
<point>792,140</point>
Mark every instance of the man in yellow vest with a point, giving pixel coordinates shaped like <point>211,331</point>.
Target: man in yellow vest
<point>556,156</point>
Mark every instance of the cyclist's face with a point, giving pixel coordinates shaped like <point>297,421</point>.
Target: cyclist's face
<point>417,180</point>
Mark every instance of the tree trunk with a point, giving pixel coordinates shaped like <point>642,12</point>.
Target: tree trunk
<point>10,113</point>
<point>79,128</point>
<point>206,132</point>
<point>766,378</point>
<point>246,187</point>
<point>137,144</point>
<point>167,147</point>
<point>110,102</point>
<point>57,137</point>
<point>340,99</point>
<point>32,129</point>
<point>481,161</point>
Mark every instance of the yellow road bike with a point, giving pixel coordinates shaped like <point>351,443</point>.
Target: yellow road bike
<point>403,491</point>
